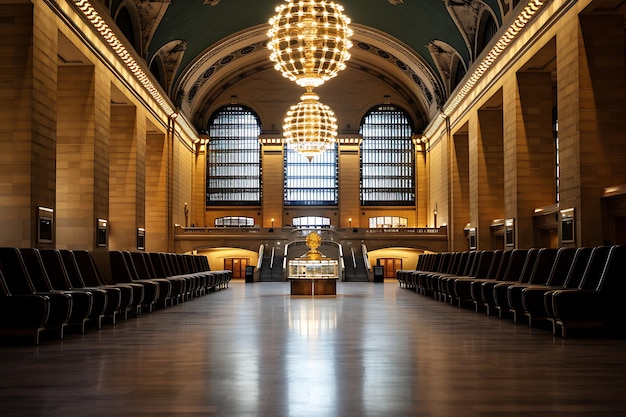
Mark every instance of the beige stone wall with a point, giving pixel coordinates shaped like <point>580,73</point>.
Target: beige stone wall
<point>437,163</point>
<point>576,61</point>
<point>28,133</point>
<point>349,180</point>
<point>273,189</point>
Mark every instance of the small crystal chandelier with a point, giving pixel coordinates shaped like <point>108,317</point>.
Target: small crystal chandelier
<point>310,127</point>
<point>309,41</point>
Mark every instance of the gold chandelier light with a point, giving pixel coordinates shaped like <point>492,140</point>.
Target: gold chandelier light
<point>310,127</point>
<point>309,41</point>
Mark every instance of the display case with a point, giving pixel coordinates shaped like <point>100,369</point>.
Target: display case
<point>313,269</point>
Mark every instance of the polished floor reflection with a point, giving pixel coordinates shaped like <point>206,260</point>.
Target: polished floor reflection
<point>373,350</point>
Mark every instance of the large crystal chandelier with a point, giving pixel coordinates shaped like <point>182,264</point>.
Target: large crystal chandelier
<point>309,41</point>
<point>310,127</point>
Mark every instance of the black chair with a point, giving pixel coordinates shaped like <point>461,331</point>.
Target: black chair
<point>509,297</point>
<point>165,286</point>
<point>131,296</point>
<point>160,270</point>
<point>520,264</point>
<point>533,297</point>
<point>121,274</point>
<point>462,264</point>
<point>488,266</point>
<point>22,314</point>
<point>481,263</point>
<point>18,282</point>
<point>146,270</point>
<point>598,302</point>
<point>83,301</point>
<point>440,264</point>
<point>105,300</point>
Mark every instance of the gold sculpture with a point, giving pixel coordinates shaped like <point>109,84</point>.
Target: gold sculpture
<point>313,241</point>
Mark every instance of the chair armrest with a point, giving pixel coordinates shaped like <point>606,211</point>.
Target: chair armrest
<point>580,305</point>
<point>24,311</point>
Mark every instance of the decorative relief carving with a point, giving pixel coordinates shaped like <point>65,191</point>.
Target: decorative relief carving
<point>150,15</point>
<point>395,2</point>
<point>417,69</point>
<point>443,54</point>
<point>171,55</point>
<point>218,65</point>
<point>212,2</point>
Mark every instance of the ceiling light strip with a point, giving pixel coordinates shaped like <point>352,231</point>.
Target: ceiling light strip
<point>113,41</point>
<point>516,27</point>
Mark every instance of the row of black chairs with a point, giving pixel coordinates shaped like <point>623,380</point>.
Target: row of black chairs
<point>566,287</point>
<point>50,289</point>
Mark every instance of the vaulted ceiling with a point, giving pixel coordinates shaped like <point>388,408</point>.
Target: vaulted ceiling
<point>198,49</point>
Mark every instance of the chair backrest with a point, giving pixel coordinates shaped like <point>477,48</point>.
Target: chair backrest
<point>37,272</point>
<point>168,264</point>
<point>120,271</point>
<point>203,263</point>
<point>4,289</point>
<point>578,267</point>
<point>499,264</point>
<point>517,261</point>
<point>483,261</point>
<point>561,267</point>
<point>15,274</point>
<point>595,266</point>
<point>156,259</point>
<point>55,267</point>
<point>73,271</point>
<point>148,262</point>
<point>613,279</point>
<point>544,263</point>
<point>469,264</point>
<point>457,263</point>
<point>87,266</point>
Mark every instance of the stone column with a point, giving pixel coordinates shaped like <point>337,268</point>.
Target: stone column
<point>486,173</point>
<point>459,191</point>
<point>156,192</point>
<point>529,152</point>
<point>349,186</point>
<point>591,108</point>
<point>127,177</point>
<point>28,128</point>
<point>273,184</point>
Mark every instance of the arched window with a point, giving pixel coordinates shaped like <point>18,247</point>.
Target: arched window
<point>387,158</point>
<point>388,222</point>
<point>234,221</point>
<point>311,222</point>
<point>311,183</point>
<point>234,157</point>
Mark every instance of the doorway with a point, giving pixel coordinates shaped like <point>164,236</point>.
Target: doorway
<point>390,266</point>
<point>237,265</point>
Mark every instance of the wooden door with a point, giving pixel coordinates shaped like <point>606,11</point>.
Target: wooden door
<point>390,266</point>
<point>237,265</point>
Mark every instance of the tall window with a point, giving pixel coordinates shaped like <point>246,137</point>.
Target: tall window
<point>387,158</point>
<point>311,183</point>
<point>234,157</point>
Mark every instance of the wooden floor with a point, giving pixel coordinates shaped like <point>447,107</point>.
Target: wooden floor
<point>373,350</point>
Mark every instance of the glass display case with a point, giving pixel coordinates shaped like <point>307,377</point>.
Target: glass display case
<point>313,269</point>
